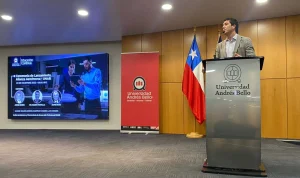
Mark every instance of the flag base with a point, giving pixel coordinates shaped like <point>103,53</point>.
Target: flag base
<point>194,135</point>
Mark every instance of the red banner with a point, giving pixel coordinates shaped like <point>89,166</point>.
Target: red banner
<point>140,92</point>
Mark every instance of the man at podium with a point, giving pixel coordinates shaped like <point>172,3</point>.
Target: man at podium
<point>234,45</point>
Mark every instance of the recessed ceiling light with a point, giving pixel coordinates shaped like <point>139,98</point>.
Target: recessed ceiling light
<point>6,17</point>
<point>261,1</point>
<point>83,12</point>
<point>166,7</point>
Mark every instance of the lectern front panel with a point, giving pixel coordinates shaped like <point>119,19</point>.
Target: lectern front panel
<point>233,123</point>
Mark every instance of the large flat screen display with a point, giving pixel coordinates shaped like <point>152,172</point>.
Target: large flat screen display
<point>60,87</point>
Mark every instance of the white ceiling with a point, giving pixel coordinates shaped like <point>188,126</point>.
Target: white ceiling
<point>56,21</point>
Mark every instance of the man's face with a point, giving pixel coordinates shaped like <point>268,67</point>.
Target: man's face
<point>37,95</point>
<point>227,27</point>
<point>86,65</point>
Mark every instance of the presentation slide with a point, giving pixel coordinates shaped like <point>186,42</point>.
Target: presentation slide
<point>59,87</point>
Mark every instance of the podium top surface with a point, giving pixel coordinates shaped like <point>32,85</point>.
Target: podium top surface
<point>261,59</point>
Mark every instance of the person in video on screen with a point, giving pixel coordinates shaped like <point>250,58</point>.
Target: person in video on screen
<point>56,97</point>
<point>37,96</point>
<point>90,85</point>
<point>234,45</point>
<point>19,97</point>
<point>64,82</point>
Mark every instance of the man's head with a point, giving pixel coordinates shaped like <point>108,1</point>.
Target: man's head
<point>230,25</point>
<point>87,63</point>
<point>37,95</point>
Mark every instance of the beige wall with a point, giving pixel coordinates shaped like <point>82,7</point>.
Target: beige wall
<point>114,50</point>
<point>277,39</point>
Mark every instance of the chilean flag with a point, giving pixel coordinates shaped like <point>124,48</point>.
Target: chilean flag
<point>193,82</point>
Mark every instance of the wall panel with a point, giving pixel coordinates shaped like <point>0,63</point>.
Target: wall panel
<point>212,39</point>
<point>132,43</point>
<point>249,29</point>
<point>271,44</point>
<point>151,42</point>
<point>293,90</point>
<point>172,56</point>
<point>171,110</point>
<point>273,108</point>
<point>293,46</point>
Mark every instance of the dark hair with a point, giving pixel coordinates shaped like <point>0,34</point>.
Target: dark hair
<point>71,61</point>
<point>88,59</point>
<point>233,22</point>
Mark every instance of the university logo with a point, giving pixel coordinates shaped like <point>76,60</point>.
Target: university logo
<point>16,62</point>
<point>139,83</point>
<point>233,73</point>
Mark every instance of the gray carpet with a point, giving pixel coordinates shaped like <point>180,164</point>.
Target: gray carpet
<point>89,154</point>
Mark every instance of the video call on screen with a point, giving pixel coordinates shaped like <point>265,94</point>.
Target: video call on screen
<point>61,87</point>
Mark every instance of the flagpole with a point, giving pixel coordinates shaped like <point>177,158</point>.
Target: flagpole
<point>194,134</point>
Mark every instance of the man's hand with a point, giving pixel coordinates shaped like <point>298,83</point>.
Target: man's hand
<point>72,84</point>
<point>81,82</point>
<point>237,55</point>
